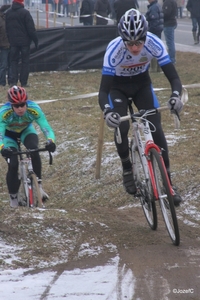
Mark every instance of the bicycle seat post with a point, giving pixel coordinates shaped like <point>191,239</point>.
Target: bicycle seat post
<point>130,107</point>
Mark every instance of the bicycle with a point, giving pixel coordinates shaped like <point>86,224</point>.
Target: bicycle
<point>149,172</point>
<point>29,191</point>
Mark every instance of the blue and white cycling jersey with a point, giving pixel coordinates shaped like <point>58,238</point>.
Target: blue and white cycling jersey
<point>120,62</point>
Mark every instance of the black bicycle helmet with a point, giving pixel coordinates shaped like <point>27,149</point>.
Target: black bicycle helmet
<point>17,95</point>
<point>132,26</point>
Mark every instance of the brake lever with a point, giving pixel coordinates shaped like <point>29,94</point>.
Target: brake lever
<point>118,135</point>
<point>173,111</point>
<point>50,158</point>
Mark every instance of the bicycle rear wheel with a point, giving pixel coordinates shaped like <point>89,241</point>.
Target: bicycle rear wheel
<point>165,196</point>
<point>34,192</point>
<point>144,188</point>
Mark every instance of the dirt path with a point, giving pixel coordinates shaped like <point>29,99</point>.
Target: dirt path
<point>158,269</point>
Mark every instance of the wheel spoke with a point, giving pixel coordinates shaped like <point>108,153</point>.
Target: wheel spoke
<point>165,197</point>
<point>144,190</point>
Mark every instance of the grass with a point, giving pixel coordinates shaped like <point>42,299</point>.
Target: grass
<point>82,209</point>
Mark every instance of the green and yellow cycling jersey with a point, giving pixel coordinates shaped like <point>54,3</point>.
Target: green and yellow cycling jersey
<point>9,120</point>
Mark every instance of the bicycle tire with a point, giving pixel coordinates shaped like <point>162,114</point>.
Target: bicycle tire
<point>35,199</point>
<point>144,189</point>
<point>23,192</point>
<point>165,196</point>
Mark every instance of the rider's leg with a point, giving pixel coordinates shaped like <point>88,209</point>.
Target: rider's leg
<point>31,142</point>
<point>120,106</point>
<point>12,179</point>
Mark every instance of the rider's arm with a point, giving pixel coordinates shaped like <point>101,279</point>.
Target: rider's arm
<point>172,75</point>
<point>5,114</point>
<point>37,115</point>
<point>45,127</point>
<point>106,82</point>
<point>2,133</point>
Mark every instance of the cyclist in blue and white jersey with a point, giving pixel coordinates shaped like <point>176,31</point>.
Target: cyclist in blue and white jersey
<point>125,76</point>
<point>16,118</point>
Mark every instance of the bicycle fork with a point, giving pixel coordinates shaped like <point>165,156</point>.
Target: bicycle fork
<point>27,181</point>
<point>145,157</point>
<point>30,191</point>
<point>150,145</point>
<point>23,177</point>
<point>137,147</point>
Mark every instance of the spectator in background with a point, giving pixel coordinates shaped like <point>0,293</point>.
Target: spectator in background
<point>193,6</point>
<point>121,6</point>
<point>155,18</point>
<point>170,23</point>
<point>57,6</point>
<point>65,8</point>
<point>20,35</point>
<point>27,3</point>
<point>87,8</point>
<point>77,7</point>
<point>53,8</point>
<point>180,5</point>
<point>4,48</point>
<point>112,14</point>
<point>72,7</point>
<point>102,8</point>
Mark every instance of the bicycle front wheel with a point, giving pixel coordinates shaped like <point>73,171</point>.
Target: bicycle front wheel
<point>165,196</point>
<point>144,189</point>
<point>34,192</point>
<point>23,191</point>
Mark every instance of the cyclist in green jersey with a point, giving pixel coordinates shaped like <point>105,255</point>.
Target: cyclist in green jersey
<point>16,121</point>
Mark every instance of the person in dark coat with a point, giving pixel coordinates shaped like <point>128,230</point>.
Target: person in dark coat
<point>20,35</point>
<point>193,6</point>
<point>87,8</point>
<point>102,8</point>
<point>112,14</point>
<point>4,47</point>
<point>121,6</point>
<point>170,12</point>
<point>155,18</point>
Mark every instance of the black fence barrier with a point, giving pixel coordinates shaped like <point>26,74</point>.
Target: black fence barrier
<point>71,48</point>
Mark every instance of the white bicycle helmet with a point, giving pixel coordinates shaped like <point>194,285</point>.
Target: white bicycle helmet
<point>132,26</point>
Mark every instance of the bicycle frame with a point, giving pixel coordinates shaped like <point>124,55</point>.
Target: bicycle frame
<point>143,148</point>
<point>23,162</point>
<point>23,175</point>
<point>150,174</point>
<point>27,175</point>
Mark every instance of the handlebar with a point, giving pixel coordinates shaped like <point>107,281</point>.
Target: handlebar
<point>29,151</point>
<point>144,113</point>
<point>140,115</point>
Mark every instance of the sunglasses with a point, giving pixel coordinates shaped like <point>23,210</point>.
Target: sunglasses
<point>18,105</point>
<point>134,43</point>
